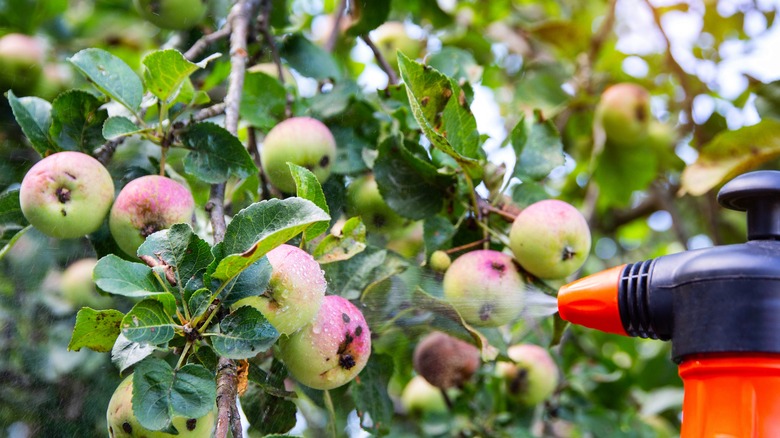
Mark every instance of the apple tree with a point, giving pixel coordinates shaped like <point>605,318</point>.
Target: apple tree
<point>327,218</point>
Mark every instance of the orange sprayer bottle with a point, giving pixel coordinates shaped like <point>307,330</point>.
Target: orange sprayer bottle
<point>720,308</point>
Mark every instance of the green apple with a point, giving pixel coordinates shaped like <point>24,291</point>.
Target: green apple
<point>364,200</point>
<point>391,37</point>
<point>531,377</point>
<point>444,361</point>
<point>66,195</point>
<point>624,113</point>
<point>330,351</point>
<point>304,141</point>
<point>407,241</point>
<point>485,287</point>
<point>440,261</point>
<point>172,14</point>
<point>146,205</point>
<point>550,239</point>
<point>420,397</point>
<point>21,63</point>
<point>294,293</point>
<point>122,421</point>
<point>78,288</point>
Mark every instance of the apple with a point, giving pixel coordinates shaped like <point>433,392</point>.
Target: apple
<point>444,361</point>
<point>624,113</point>
<point>304,141</point>
<point>407,241</point>
<point>550,239</point>
<point>66,195</point>
<point>294,293</point>
<point>391,37</point>
<point>21,63</point>
<point>364,200</point>
<point>146,205</point>
<point>440,261</point>
<point>531,377</point>
<point>122,421</point>
<point>330,351</point>
<point>420,397</point>
<point>172,14</point>
<point>78,288</point>
<point>485,287</point>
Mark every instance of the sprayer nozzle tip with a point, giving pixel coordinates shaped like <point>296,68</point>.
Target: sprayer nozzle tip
<point>593,301</point>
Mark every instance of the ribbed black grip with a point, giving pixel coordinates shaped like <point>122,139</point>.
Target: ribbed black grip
<point>634,301</point>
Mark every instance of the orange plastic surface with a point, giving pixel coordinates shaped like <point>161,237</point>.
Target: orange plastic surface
<point>593,301</point>
<point>736,396</point>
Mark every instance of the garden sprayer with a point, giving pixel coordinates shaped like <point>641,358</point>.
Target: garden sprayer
<point>720,308</point>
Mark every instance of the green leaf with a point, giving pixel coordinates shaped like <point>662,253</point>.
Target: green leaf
<point>349,151</point>
<point>250,282</point>
<point>411,186</point>
<point>160,393</point>
<point>307,186</point>
<point>121,277</point>
<point>148,323</point>
<point>33,115</point>
<point>115,127</point>
<point>199,301</point>
<point>11,210</point>
<point>95,329</point>
<point>216,154</point>
<point>335,102</point>
<point>730,153</point>
<point>350,241</point>
<point>178,248</point>
<point>439,106</point>
<point>527,193</point>
<point>126,353</point>
<point>538,148</point>
<point>438,231</point>
<point>165,72</point>
<point>370,392</point>
<point>263,100</point>
<point>455,63</point>
<point>308,59</point>
<point>367,15</point>
<point>77,121</point>
<point>243,334</point>
<point>267,413</point>
<point>349,278</point>
<point>261,227</point>
<point>621,171</point>
<point>111,76</point>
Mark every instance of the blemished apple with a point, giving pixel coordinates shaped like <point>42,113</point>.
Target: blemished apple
<point>122,421</point>
<point>365,200</point>
<point>445,361</point>
<point>531,377</point>
<point>440,261</point>
<point>332,350</point>
<point>485,287</point>
<point>624,113</point>
<point>295,291</point>
<point>420,397</point>
<point>391,37</point>
<point>66,195</point>
<point>146,205</point>
<point>172,14</point>
<point>550,239</point>
<point>21,63</point>
<point>304,141</point>
<point>78,288</point>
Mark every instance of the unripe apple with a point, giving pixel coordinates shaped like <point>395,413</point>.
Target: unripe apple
<point>391,37</point>
<point>440,261</point>
<point>66,195</point>
<point>146,205</point>
<point>332,350</point>
<point>78,288</point>
<point>485,287</point>
<point>304,141</point>
<point>364,200</point>
<point>532,376</point>
<point>550,239</point>
<point>624,113</point>
<point>406,241</point>
<point>295,291</point>
<point>21,63</point>
<point>444,361</point>
<point>122,422</point>
<point>420,397</point>
<point>172,14</point>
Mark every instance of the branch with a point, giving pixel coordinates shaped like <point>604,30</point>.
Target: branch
<point>226,396</point>
<point>265,29</point>
<point>105,152</point>
<point>380,59</point>
<point>334,33</point>
<point>205,41</point>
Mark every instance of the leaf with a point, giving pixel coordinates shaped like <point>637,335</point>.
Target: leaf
<point>121,277</point>
<point>350,241</point>
<point>538,148</point>
<point>261,227</point>
<point>199,301</point>
<point>454,62</point>
<point>367,15</point>
<point>216,154</point>
<point>115,127</point>
<point>77,121</point>
<point>308,59</point>
<point>165,72</point>
<point>267,413</point>
<point>33,115</point>
<point>148,323</point>
<point>178,248</point>
<point>111,76</point>
<point>95,329</point>
<point>262,101</point>
<point>411,186</point>
<point>11,210</point>
<point>160,393</point>
<point>307,186</point>
<point>243,334</point>
<point>370,393</point>
<point>126,353</point>
<point>250,282</point>
<point>439,106</point>
<point>349,278</point>
<point>336,101</point>
<point>438,231</point>
<point>730,153</point>
<point>349,151</point>
<point>621,171</point>
<point>528,193</point>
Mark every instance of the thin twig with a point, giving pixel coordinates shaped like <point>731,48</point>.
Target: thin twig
<point>380,59</point>
<point>336,30</point>
<point>105,152</point>
<point>265,29</point>
<point>205,41</point>
<point>467,246</point>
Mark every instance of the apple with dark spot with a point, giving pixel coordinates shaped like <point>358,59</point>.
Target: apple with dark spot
<point>531,377</point>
